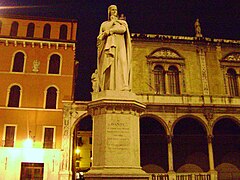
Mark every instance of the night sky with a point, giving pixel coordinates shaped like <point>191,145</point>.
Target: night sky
<point>218,19</point>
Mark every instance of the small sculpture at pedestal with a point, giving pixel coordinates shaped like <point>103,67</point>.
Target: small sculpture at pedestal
<point>114,53</point>
<point>198,28</point>
<point>95,81</point>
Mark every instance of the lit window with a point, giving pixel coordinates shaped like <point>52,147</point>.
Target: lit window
<point>30,30</point>
<point>63,32</point>
<point>173,77</point>
<point>47,31</point>
<point>14,96</point>
<point>51,98</point>
<point>32,171</point>
<point>79,141</point>
<point>159,79</point>
<point>54,64</point>
<point>48,137</point>
<point>232,82</point>
<point>9,136</point>
<point>14,29</point>
<point>18,62</point>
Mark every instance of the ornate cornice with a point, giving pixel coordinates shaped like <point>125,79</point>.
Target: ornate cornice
<point>208,111</point>
<point>36,43</point>
<point>183,39</point>
<point>104,106</point>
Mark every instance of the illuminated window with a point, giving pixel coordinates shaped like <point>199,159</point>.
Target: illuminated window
<point>173,78</point>
<point>48,140</point>
<point>54,64</point>
<point>51,98</point>
<point>18,62</point>
<point>14,29</point>
<point>47,31</point>
<point>63,32</point>
<point>232,82</point>
<point>14,96</point>
<point>32,171</point>
<point>30,30</point>
<point>159,79</point>
<point>79,141</point>
<point>9,136</point>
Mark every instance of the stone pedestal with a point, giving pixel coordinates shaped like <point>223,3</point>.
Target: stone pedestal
<point>116,136</point>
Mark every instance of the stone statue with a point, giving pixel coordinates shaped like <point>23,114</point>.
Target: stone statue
<point>197,28</point>
<point>114,53</point>
<point>95,81</point>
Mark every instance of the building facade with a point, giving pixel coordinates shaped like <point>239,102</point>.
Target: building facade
<point>190,86</point>
<point>36,74</point>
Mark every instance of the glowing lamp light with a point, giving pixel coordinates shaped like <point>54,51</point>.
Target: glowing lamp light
<point>28,143</point>
<point>77,151</point>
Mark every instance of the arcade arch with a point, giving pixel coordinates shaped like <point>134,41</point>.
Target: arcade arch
<point>226,132</point>
<point>81,144</point>
<point>190,146</point>
<point>153,144</point>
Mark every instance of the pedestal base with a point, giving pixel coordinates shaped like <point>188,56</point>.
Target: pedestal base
<point>116,174</point>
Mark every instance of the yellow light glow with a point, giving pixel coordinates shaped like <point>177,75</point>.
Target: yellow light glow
<point>77,151</point>
<point>28,143</point>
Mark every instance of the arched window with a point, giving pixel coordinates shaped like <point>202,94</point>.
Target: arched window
<point>63,32</point>
<point>0,27</point>
<point>30,30</point>
<point>18,63</point>
<point>232,82</point>
<point>54,64</point>
<point>51,98</point>
<point>159,79</point>
<point>14,29</point>
<point>14,96</point>
<point>47,31</point>
<point>173,78</point>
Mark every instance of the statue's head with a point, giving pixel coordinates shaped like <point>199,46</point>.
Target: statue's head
<point>112,11</point>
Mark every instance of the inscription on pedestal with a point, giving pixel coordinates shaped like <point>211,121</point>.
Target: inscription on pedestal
<point>118,136</point>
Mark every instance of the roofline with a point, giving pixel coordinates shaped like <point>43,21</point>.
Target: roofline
<point>41,18</point>
<point>158,37</point>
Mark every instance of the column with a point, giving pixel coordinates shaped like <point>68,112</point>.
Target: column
<point>167,83</point>
<point>171,173</point>
<point>238,83</point>
<point>213,172</point>
<point>170,153</point>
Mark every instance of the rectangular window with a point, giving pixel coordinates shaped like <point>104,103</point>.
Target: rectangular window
<point>32,171</point>
<point>90,140</point>
<point>9,136</point>
<point>48,140</point>
<point>79,141</point>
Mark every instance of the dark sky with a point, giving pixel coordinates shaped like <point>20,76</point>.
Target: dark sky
<point>218,18</point>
